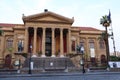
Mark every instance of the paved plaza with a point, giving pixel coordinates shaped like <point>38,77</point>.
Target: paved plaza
<point>64,76</point>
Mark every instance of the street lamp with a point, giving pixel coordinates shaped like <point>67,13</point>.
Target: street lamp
<point>18,62</point>
<point>30,72</point>
<point>82,61</point>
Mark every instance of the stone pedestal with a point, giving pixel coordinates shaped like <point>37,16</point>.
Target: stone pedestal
<point>19,59</point>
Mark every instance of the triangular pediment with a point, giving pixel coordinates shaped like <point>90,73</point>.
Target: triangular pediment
<point>48,17</point>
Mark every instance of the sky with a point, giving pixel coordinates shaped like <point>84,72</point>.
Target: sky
<point>86,13</point>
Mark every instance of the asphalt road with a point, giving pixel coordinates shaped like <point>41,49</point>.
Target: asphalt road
<point>63,76</point>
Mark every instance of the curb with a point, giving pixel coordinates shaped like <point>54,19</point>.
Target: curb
<point>57,74</point>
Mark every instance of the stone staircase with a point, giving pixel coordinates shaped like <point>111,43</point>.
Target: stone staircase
<point>97,69</point>
<point>48,64</point>
<point>8,71</point>
<point>115,69</point>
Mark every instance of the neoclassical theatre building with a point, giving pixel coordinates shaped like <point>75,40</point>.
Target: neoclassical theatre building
<point>48,34</point>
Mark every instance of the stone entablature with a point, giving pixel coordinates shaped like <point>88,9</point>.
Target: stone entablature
<point>48,25</point>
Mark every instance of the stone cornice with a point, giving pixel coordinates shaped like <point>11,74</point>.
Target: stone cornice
<point>40,15</point>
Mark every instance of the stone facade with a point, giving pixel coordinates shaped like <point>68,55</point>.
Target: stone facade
<point>50,35</point>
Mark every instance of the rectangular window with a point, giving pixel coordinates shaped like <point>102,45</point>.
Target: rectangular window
<point>9,43</point>
<point>91,45</point>
<point>20,45</point>
<point>73,46</point>
<point>92,52</point>
<point>101,44</point>
<point>92,48</point>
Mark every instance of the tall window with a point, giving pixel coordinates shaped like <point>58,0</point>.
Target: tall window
<point>91,43</point>
<point>20,45</point>
<point>92,51</point>
<point>20,42</point>
<point>9,43</point>
<point>101,44</point>
<point>91,46</point>
<point>82,42</point>
<point>73,45</point>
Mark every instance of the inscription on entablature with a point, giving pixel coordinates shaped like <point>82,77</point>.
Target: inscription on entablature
<point>49,25</point>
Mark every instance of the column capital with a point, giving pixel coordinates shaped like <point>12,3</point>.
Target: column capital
<point>26,27</point>
<point>69,29</point>
<point>61,28</point>
<point>44,28</point>
<point>53,29</point>
<point>35,27</point>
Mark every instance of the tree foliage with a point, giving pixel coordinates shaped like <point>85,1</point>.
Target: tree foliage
<point>105,20</point>
<point>1,31</point>
<point>114,58</point>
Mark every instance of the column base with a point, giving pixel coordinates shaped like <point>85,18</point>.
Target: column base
<point>53,56</point>
<point>108,69</point>
<point>62,56</point>
<point>43,56</point>
<point>34,55</point>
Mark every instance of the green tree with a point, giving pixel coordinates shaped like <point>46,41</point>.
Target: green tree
<point>106,21</point>
<point>1,31</point>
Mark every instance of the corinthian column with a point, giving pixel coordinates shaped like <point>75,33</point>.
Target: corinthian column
<point>35,40</point>
<point>69,40</point>
<point>53,42</point>
<point>26,40</point>
<point>43,42</point>
<point>61,43</point>
<point>3,46</point>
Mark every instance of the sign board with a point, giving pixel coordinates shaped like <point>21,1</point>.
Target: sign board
<point>114,64</point>
<point>92,52</point>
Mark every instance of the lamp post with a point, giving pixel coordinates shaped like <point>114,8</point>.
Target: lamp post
<point>18,62</point>
<point>82,61</point>
<point>30,72</point>
<point>19,65</point>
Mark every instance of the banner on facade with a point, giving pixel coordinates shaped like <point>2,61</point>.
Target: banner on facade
<point>92,52</point>
<point>114,64</point>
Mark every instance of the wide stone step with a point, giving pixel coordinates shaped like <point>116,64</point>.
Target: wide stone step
<point>97,69</point>
<point>50,64</point>
<point>8,71</point>
<point>115,69</point>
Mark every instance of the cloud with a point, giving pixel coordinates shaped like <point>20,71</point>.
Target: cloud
<point>86,13</point>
